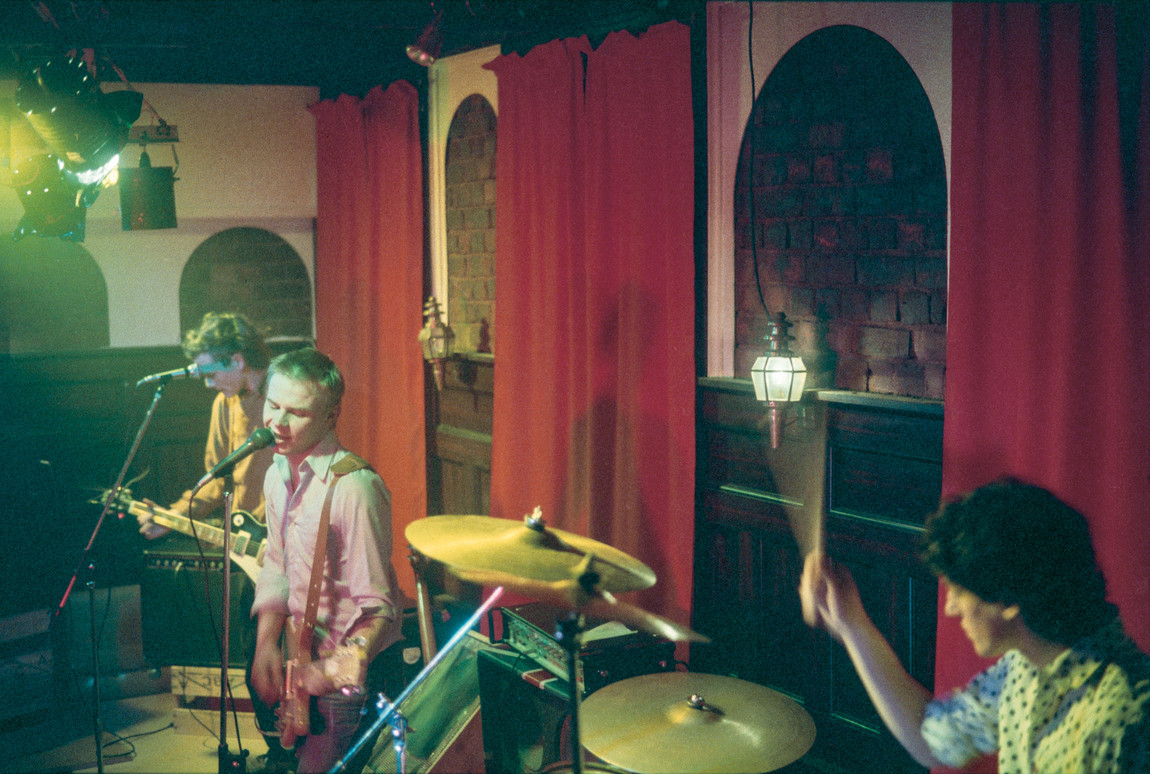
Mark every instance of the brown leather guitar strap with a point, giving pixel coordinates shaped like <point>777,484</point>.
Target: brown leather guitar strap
<point>346,465</point>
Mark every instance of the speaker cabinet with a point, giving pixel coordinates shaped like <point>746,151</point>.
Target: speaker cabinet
<point>181,600</point>
<point>524,714</point>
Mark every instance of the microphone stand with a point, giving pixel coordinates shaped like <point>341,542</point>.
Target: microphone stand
<point>228,763</point>
<point>90,569</point>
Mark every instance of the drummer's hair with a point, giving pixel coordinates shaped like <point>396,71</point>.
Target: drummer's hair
<point>311,365</point>
<point>1013,543</point>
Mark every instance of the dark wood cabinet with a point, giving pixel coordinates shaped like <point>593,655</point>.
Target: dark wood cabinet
<point>857,471</point>
<point>459,446</point>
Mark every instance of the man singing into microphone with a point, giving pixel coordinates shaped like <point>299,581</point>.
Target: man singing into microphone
<point>234,358</point>
<point>328,571</point>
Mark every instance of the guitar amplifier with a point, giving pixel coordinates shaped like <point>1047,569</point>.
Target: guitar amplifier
<point>181,600</point>
<point>610,651</point>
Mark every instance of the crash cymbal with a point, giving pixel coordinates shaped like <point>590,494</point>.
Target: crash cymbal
<point>687,723</point>
<point>527,549</point>
<point>597,603</point>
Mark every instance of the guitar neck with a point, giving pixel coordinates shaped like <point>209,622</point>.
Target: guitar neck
<point>180,523</point>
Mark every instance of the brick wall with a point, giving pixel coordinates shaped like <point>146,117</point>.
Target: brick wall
<point>251,271</point>
<point>470,212</point>
<point>849,218</point>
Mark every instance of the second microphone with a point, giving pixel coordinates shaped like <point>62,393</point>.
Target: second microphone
<point>261,438</point>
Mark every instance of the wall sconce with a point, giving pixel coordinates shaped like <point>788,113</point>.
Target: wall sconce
<point>779,376</point>
<point>436,339</point>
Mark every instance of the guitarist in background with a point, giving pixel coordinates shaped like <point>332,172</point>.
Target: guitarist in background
<point>232,341</point>
<point>338,598</point>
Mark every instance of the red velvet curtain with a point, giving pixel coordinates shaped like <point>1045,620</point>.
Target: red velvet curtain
<point>369,287</point>
<point>1048,335</point>
<point>594,347</point>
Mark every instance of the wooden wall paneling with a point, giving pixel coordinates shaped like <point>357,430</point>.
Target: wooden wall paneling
<point>878,473</point>
<point>464,459</point>
<point>459,455</point>
<point>468,395</point>
<point>886,462</point>
<point>67,423</point>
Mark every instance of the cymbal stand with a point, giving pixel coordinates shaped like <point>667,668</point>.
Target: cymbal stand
<point>569,633</point>
<point>389,711</point>
<point>90,569</point>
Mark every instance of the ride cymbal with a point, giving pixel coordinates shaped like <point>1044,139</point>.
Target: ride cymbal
<point>689,723</point>
<point>524,549</point>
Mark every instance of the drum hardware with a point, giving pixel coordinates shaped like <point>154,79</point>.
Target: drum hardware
<point>579,595</point>
<point>678,721</point>
<point>567,571</point>
<point>388,711</point>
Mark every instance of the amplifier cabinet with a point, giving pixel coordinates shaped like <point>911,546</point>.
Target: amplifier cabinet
<point>181,599</point>
<point>609,651</point>
<point>525,696</point>
<point>523,714</point>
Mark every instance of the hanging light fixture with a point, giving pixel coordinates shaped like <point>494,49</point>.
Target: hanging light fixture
<point>436,339</point>
<point>55,204</point>
<point>779,376</point>
<point>427,47</point>
<point>85,130</point>
<point>147,193</point>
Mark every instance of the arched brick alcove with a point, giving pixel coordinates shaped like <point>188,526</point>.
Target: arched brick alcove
<point>251,271</point>
<point>470,213</point>
<point>846,214</point>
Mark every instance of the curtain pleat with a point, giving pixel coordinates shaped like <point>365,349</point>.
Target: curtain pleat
<point>594,350</point>
<point>1048,331</point>
<point>369,287</point>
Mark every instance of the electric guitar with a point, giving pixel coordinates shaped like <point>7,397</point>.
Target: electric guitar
<point>249,537</point>
<point>342,666</point>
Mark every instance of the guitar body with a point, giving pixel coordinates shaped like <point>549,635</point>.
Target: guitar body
<point>249,542</point>
<point>343,666</point>
<point>248,539</point>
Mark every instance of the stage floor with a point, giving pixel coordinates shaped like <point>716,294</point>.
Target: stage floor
<point>142,735</point>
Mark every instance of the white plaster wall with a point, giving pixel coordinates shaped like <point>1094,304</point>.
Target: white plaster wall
<point>921,32</point>
<point>246,158</point>
<point>450,81</point>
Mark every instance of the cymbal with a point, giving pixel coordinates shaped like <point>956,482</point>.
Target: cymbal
<point>570,595</point>
<point>527,549</point>
<point>689,723</point>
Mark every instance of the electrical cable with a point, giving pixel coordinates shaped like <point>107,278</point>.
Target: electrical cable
<point>751,156</point>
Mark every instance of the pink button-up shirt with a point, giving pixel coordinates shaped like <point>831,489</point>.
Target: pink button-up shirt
<point>359,580</point>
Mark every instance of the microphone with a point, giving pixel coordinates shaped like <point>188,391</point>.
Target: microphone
<point>261,438</point>
<point>190,371</point>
